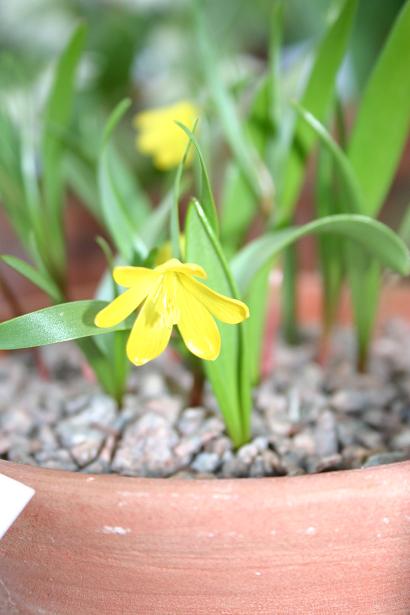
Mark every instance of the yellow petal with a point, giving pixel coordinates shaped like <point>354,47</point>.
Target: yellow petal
<point>197,327</point>
<point>174,265</point>
<point>149,335</point>
<point>131,276</point>
<point>160,137</point>
<point>224,308</point>
<point>121,307</point>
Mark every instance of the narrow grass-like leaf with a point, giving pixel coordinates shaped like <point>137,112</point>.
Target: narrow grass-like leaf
<point>317,97</point>
<point>376,238</point>
<point>227,373</point>
<point>331,248</point>
<point>257,300</point>
<point>153,229</point>
<point>33,275</point>
<point>114,119</point>
<point>114,210</point>
<point>100,364</point>
<point>59,323</point>
<point>175,230</point>
<point>225,106</point>
<point>404,230</point>
<point>207,197</point>
<point>238,208</point>
<point>381,127</point>
<point>354,203</point>
<point>57,116</point>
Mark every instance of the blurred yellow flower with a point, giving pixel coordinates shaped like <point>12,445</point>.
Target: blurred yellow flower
<point>160,137</point>
<point>165,250</point>
<point>170,295</point>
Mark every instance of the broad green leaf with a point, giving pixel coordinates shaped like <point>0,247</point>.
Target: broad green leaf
<point>207,197</point>
<point>381,127</point>
<point>317,98</point>
<point>376,238</point>
<point>33,275</point>
<point>59,323</point>
<point>230,384</point>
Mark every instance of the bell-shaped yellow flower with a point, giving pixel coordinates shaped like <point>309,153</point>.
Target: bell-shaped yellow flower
<point>170,295</point>
<point>160,137</point>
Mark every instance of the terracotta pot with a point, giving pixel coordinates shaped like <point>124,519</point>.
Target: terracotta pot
<point>336,543</point>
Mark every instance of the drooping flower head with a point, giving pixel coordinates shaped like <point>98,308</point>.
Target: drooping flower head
<point>170,295</point>
<point>160,137</point>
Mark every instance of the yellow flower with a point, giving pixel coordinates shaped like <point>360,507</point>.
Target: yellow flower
<point>170,295</point>
<point>165,250</point>
<point>160,137</point>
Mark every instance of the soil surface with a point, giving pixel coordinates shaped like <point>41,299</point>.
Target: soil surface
<point>306,418</point>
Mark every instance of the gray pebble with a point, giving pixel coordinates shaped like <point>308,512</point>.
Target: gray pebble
<point>326,435</point>
<point>402,440</point>
<point>206,462</point>
<point>191,420</point>
<point>384,458</point>
<point>147,448</point>
<point>56,460</point>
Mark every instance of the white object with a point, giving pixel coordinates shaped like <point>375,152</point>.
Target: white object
<point>14,496</point>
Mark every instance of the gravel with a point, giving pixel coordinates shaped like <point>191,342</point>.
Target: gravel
<point>306,418</point>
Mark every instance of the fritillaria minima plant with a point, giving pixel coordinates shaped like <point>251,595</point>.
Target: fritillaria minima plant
<point>155,255</point>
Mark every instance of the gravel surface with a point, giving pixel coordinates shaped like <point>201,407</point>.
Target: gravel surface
<point>306,418</point>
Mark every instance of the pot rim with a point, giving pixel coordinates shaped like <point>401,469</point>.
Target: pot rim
<point>324,477</point>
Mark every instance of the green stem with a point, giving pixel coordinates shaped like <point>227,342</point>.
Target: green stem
<point>289,315</point>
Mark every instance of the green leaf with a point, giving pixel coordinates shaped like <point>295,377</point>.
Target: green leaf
<point>257,301</point>
<point>243,151</point>
<point>57,117</point>
<point>331,248</point>
<point>381,128</point>
<point>114,119</point>
<point>404,230</point>
<point>238,208</point>
<point>365,282</point>
<point>377,238</point>
<point>175,230</point>
<point>116,217</point>
<point>59,323</point>
<point>207,197</point>
<point>12,197</point>
<point>317,98</point>
<point>334,254</point>
<point>354,201</point>
<point>153,229</point>
<point>239,203</point>
<point>33,275</point>
<point>227,374</point>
